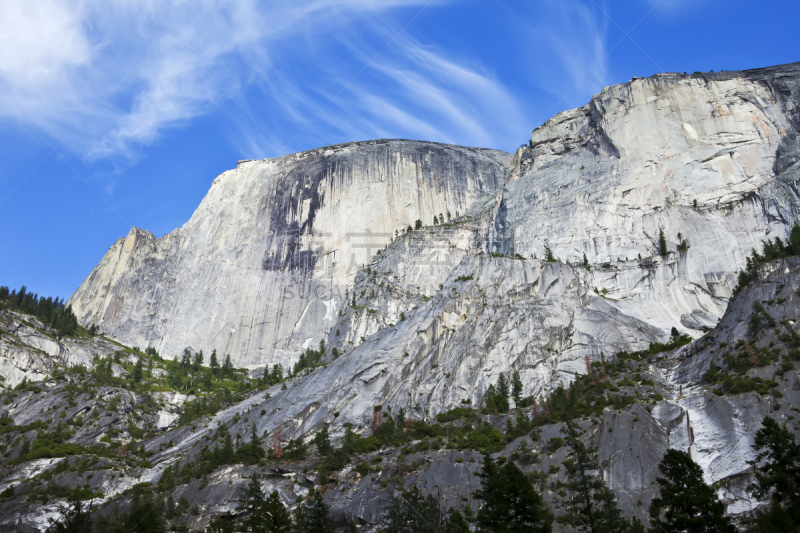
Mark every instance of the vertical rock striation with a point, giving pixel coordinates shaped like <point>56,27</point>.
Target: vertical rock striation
<point>266,266</point>
<point>263,265</point>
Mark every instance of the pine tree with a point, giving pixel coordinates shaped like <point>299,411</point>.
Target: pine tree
<point>315,518</point>
<point>198,361</point>
<point>253,451</point>
<point>183,503</point>
<point>585,260</point>
<point>251,496</point>
<point>591,506</point>
<point>511,505</point>
<point>144,515</point>
<point>494,401</point>
<point>322,440</point>
<point>252,503</point>
<point>226,453</point>
<point>227,367</point>
<point>275,517</point>
<point>170,511</point>
<point>777,472</point>
<point>186,360</point>
<point>277,373</point>
<point>414,512</point>
<point>137,371</point>
<point>214,363</point>
<point>686,503</point>
<point>516,388</point>
<point>349,440</point>
<point>455,522</point>
<point>74,519</point>
<point>548,255</point>
<point>502,386</point>
<point>662,244</point>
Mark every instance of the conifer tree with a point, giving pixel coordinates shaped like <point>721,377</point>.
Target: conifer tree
<point>662,244</point>
<point>198,361</point>
<point>208,380</point>
<point>349,440</point>
<point>74,519</point>
<point>516,388</point>
<point>455,522</point>
<point>777,472</point>
<point>251,498</point>
<point>512,504</point>
<point>145,515</point>
<point>502,386</point>
<point>322,441</point>
<point>591,505</point>
<point>186,360</point>
<point>686,503</point>
<point>170,511</point>
<point>494,401</point>
<point>183,503</point>
<point>137,371</point>
<point>226,453</point>
<point>414,512</point>
<point>274,514</point>
<point>214,363</point>
<point>227,366</point>
<point>253,451</point>
<point>263,514</point>
<point>277,373</point>
<point>315,518</point>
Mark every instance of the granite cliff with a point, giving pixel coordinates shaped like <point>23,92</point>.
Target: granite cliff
<point>619,225</point>
<point>261,268</point>
<point>269,263</point>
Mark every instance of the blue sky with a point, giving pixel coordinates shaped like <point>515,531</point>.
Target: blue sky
<point>116,113</point>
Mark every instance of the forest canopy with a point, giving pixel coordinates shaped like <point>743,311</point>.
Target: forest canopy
<point>52,311</point>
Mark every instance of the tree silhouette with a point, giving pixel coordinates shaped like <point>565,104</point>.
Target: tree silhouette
<point>686,503</point>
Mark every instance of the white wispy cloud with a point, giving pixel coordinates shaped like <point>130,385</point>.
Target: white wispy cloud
<point>568,51</point>
<point>60,60</point>
<point>674,6</point>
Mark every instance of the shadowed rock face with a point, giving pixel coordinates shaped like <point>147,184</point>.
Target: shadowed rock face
<point>261,268</point>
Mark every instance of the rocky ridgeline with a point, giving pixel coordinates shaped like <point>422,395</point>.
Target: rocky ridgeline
<point>595,250</point>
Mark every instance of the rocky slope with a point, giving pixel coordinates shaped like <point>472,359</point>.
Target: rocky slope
<point>635,407</point>
<point>31,350</point>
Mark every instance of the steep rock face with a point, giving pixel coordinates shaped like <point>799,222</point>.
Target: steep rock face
<point>263,265</point>
<point>476,304</point>
<point>436,317</point>
<point>709,159</point>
